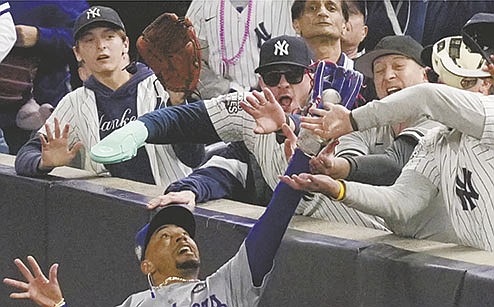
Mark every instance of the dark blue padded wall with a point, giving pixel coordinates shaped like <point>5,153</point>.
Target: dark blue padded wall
<point>22,225</point>
<point>89,229</point>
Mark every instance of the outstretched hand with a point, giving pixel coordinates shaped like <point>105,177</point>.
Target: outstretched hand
<point>39,289</point>
<point>55,149</point>
<point>290,141</point>
<point>312,183</point>
<point>327,164</point>
<point>183,197</point>
<point>266,111</point>
<point>328,124</point>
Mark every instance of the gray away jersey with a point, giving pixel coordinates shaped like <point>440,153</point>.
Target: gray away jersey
<point>230,286</point>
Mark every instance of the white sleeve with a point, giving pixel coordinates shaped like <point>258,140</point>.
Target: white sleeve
<point>230,121</point>
<point>471,113</point>
<point>354,144</point>
<point>7,30</point>
<point>396,204</point>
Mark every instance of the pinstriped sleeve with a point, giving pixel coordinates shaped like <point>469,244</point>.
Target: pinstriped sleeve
<point>488,133</point>
<point>396,204</point>
<point>230,121</point>
<point>459,109</point>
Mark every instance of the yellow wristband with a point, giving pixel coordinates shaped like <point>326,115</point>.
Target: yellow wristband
<point>60,304</point>
<point>342,192</point>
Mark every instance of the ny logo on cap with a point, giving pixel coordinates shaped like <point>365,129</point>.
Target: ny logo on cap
<point>281,48</point>
<point>93,13</point>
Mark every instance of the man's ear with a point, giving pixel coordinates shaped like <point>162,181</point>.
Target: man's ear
<point>296,26</point>
<point>126,44</point>
<point>76,53</point>
<point>147,267</point>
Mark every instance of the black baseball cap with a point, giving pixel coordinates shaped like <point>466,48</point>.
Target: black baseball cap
<point>170,215</point>
<point>284,50</point>
<point>394,44</point>
<point>96,14</point>
<point>477,34</point>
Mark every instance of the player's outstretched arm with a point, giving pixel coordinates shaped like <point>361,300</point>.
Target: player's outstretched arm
<point>41,290</point>
<point>263,240</point>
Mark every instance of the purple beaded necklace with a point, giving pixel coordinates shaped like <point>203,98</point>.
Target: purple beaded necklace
<point>236,57</point>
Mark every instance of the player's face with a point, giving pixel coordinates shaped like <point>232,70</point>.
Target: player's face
<point>103,50</point>
<point>320,18</point>
<point>290,87</point>
<point>395,72</point>
<point>173,252</point>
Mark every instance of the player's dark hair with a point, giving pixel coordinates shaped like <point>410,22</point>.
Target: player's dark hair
<point>298,7</point>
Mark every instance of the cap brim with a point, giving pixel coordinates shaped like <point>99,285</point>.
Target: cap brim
<point>172,215</point>
<point>264,67</point>
<point>467,73</point>
<point>364,64</point>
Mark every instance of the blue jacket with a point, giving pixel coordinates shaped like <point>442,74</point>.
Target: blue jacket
<point>54,20</point>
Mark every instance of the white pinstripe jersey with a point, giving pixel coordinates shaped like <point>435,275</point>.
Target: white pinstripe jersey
<point>78,108</point>
<point>7,30</point>
<point>233,124</point>
<point>458,162</point>
<point>269,18</point>
<point>463,168</point>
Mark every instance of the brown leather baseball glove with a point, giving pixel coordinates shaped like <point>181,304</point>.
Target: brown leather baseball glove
<point>17,72</point>
<point>170,47</point>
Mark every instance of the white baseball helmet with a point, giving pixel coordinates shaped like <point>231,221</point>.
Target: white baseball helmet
<point>455,64</point>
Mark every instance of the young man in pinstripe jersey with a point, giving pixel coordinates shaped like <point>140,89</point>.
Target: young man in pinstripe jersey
<point>109,99</point>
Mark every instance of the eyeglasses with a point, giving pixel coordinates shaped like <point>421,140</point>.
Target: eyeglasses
<point>293,76</point>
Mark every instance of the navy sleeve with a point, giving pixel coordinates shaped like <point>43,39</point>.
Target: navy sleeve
<point>263,240</point>
<point>191,155</point>
<point>382,169</point>
<point>212,182</point>
<point>180,124</point>
<point>207,184</point>
<point>28,158</point>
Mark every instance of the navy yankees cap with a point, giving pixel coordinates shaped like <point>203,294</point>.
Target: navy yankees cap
<point>395,44</point>
<point>285,50</point>
<point>96,14</point>
<point>169,215</point>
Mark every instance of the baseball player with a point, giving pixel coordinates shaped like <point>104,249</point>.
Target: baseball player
<point>170,259</point>
<point>109,99</point>
<point>233,32</point>
<point>7,30</point>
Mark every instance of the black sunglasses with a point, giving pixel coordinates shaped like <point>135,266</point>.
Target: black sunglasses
<point>292,76</point>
